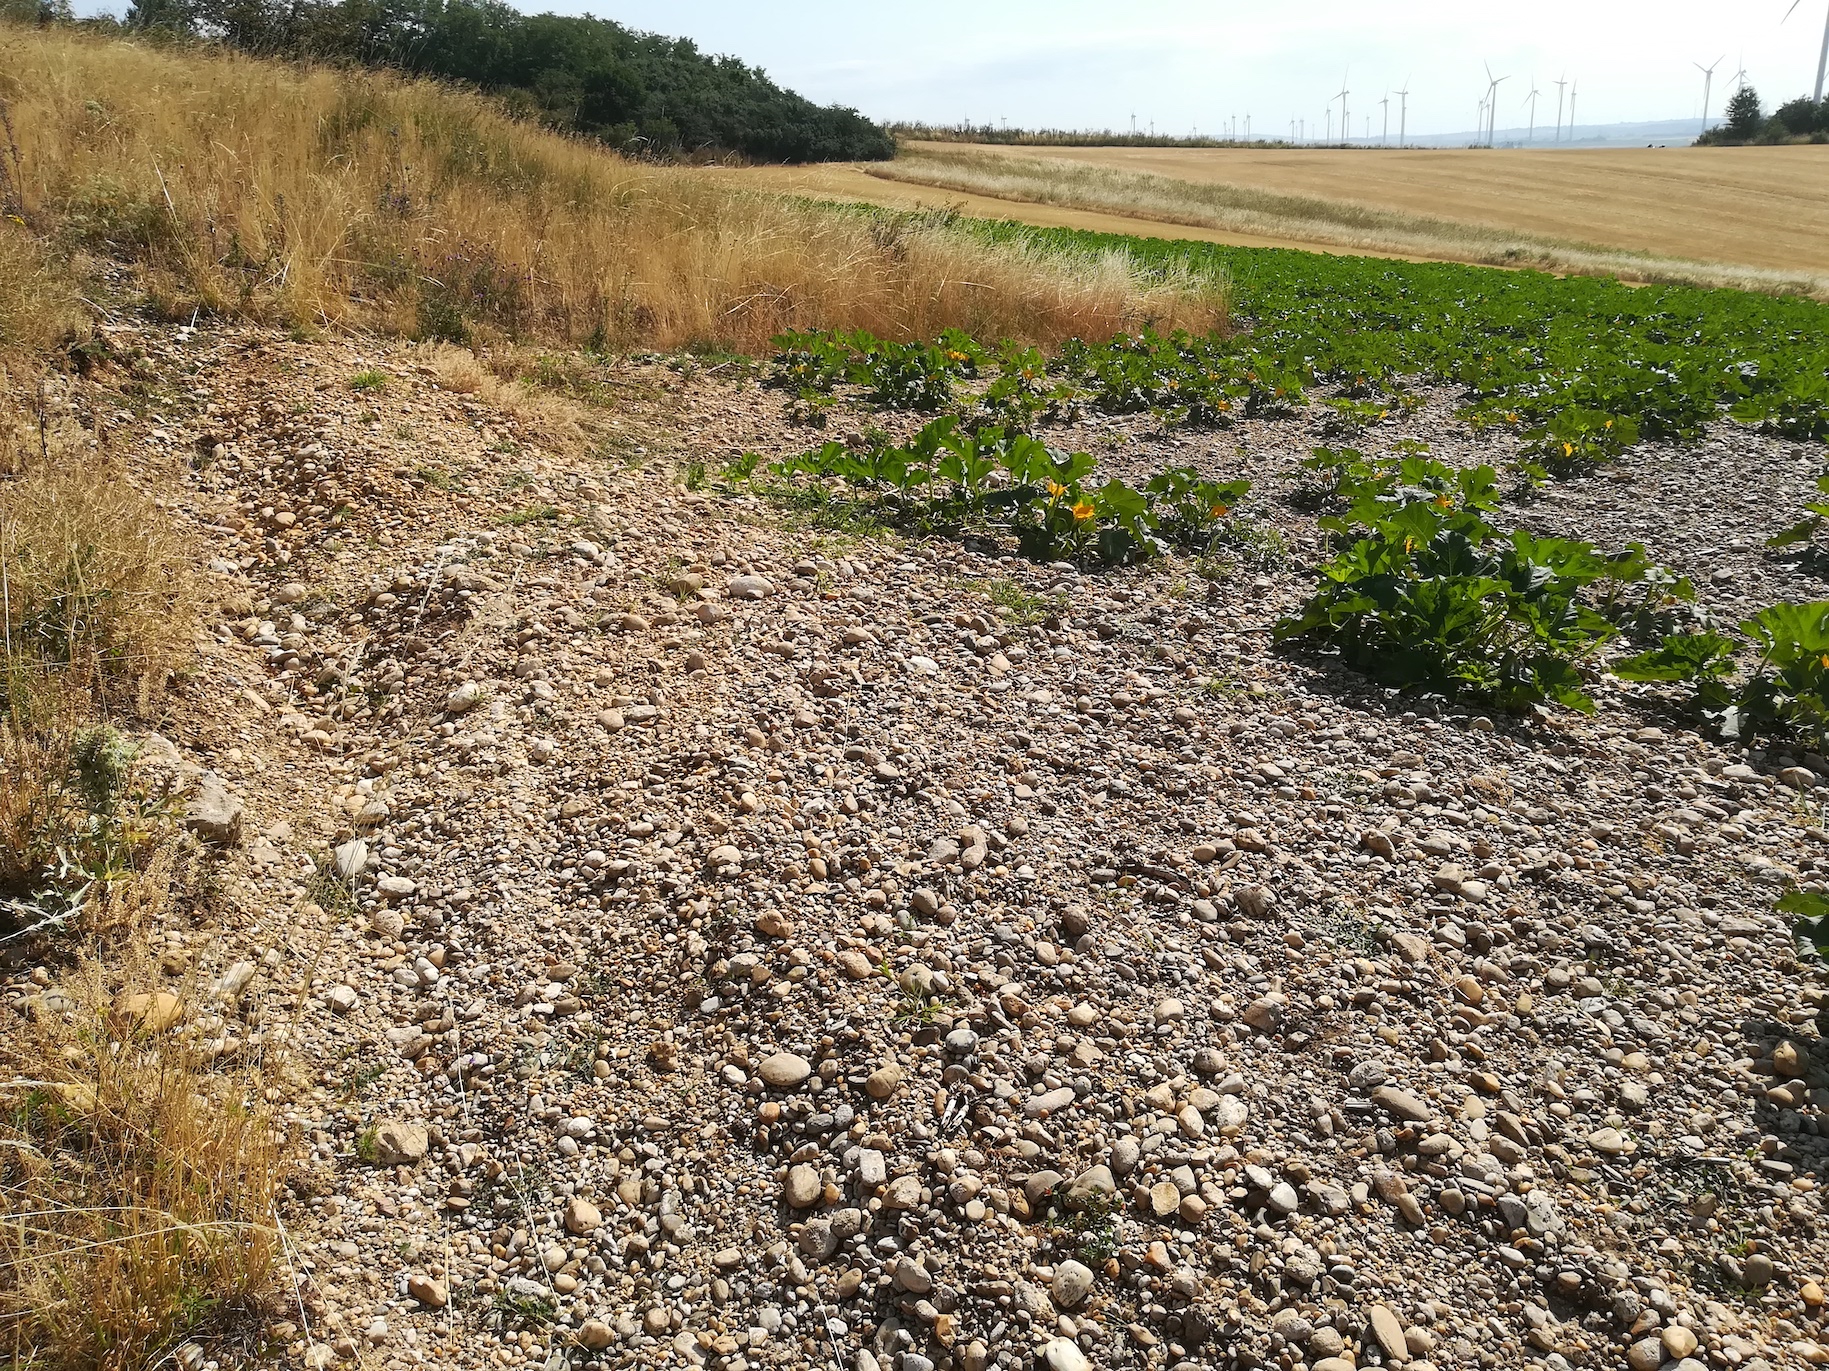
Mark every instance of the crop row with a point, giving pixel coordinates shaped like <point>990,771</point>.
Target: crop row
<point>1581,368</point>
<point>952,478</point>
<point>1422,590</point>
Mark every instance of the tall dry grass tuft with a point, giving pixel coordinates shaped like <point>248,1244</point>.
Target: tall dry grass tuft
<point>93,580</point>
<point>499,378</point>
<point>137,1175</point>
<point>37,303</point>
<point>137,1158</point>
<point>319,196</point>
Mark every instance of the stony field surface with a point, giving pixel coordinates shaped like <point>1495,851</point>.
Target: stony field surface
<point>687,935</point>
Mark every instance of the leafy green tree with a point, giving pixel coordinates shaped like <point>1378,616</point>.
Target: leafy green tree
<point>1744,115</point>
<point>575,72</point>
<point>1804,116</point>
<point>36,11</point>
<point>170,16</point>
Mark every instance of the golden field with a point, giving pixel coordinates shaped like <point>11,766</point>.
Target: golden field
<point>1756,217</point>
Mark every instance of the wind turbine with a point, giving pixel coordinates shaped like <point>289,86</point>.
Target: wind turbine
<point>1708,82</point>
<point>1403,111</point>
<point>1572,111</point>
<point>1384,139</point>
<point>1531,100</point>
<point>1346,129</point>
<point>1492,103</point>
<point>1822,63</point>
<point>1561,90</point>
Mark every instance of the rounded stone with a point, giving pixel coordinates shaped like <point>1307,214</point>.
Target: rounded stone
<point>785,1070</point>
<point>1071,1282</point>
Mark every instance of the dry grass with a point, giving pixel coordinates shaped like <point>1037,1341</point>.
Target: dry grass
<point>497,378</point>
<point>137,1169</point>
<point>93,580</point>
<point>322,196</point>
<point>38,306</point>
<point>1197,188</point>
<point>138,1173</point>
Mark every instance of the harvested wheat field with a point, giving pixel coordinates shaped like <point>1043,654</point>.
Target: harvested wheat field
<point>1753,217</point>
<point>872,184</point>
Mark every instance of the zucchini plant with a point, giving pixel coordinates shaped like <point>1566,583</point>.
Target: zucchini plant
<point>1424,593</point>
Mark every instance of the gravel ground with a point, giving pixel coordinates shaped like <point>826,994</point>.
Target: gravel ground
<point>703,938</point>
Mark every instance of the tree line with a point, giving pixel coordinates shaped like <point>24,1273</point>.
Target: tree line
<point>1802,120</point>
<point>643,93</point>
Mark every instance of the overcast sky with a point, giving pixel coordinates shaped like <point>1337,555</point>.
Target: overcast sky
<point>1184,63</point>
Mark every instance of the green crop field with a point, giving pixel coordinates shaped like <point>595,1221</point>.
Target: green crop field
<point>1422,588</point>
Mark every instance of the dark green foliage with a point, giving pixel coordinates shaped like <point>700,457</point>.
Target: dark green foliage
<point>1809,910</point>
<point>639,91</point>
<point>1193,380</point>
<point>916,376</point>
<point>1550,358</point>
<point>1788,688</point>
<point>1580,368</point>
<point>36,11</point>
<point>1803,116</point>
<point>1181,378</point>
<point>1786,691</point>
<point>1744,116</point>
<point>1812,525</point>
<point>1425,593</point>
<point>950,478</point>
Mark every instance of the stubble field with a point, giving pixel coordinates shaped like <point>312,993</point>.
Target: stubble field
<point>1754,217</point>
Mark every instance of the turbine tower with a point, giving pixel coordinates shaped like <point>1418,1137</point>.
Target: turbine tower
<point>1492,103</point>
<point>1708,82</point>
<point>1403,111</point>
<point>1384,139</point>
<point>1561,84</point>
<point>1531,100</point>
<point>1572,111</point>
<point>1822,63</point>
<point>1346,129</point>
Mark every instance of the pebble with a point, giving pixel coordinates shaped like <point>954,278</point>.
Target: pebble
<point>1072,1281</point>
<point>785,1070</point>
<point>401,1143</point>
<point>803,1186</point>
<point>1388,1333</point>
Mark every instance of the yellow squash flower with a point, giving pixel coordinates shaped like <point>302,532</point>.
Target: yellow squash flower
<point>1083,511</point>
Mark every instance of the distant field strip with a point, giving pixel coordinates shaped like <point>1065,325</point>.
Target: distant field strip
<point>1085,184</point>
